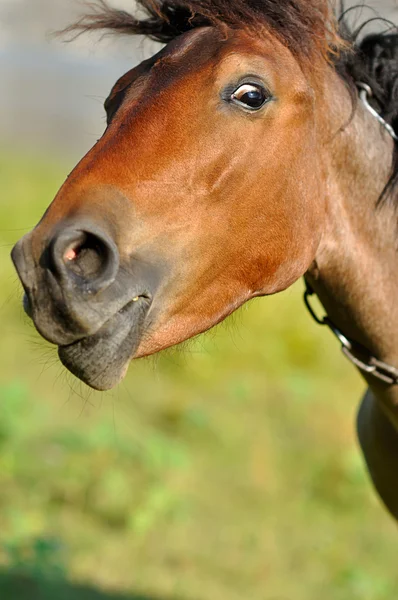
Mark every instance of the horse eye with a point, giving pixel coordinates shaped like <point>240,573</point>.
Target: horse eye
<point>251,96</point>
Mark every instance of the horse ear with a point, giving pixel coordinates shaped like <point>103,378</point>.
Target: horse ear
<point>120,88</point>
<point>117,93</point>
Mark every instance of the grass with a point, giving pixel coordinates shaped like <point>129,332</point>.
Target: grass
<point>227,469</point>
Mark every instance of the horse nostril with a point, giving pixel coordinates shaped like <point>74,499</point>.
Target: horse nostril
<point>87,257</point>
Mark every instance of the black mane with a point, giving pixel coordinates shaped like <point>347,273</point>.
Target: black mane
<point>374,61</point>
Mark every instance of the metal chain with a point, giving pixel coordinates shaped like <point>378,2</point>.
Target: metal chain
<point>366,92</point>
<point>356,353</point>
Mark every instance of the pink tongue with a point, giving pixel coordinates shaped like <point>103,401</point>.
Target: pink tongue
<point>70,254</point>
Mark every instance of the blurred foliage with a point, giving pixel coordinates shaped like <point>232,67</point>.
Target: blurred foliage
<point>225,469</point>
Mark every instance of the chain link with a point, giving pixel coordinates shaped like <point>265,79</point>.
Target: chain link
<point>365,93</point>
<point>356,353</point>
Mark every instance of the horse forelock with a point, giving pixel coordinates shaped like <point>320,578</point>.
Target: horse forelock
<point>307,27</point>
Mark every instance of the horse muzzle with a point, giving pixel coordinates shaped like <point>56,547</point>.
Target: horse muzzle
<point>84,299</point>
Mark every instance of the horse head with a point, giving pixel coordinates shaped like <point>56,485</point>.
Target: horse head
<point>206,190</point>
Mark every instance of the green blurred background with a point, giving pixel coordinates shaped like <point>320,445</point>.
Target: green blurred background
<point>226,469</point>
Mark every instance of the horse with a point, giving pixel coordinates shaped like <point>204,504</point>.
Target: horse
<point>256,147</point>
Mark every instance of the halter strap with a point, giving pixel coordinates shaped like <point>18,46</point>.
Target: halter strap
<point>356,353</point>
<point>365,92</point>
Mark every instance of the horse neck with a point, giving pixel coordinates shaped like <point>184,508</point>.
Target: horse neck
<point>355,273</point>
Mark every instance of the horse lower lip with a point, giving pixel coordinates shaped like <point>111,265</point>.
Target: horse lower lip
<point>101,360</point>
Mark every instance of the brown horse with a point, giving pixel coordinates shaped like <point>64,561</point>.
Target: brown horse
<point>236,160</point>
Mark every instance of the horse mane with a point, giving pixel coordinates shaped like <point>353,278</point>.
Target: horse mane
<point>374,60</point>
<point>309,28</point>
<point>306,27</point>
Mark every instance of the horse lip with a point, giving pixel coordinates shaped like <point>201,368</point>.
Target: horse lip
<point>104,326</point>
<point>100,360</point>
